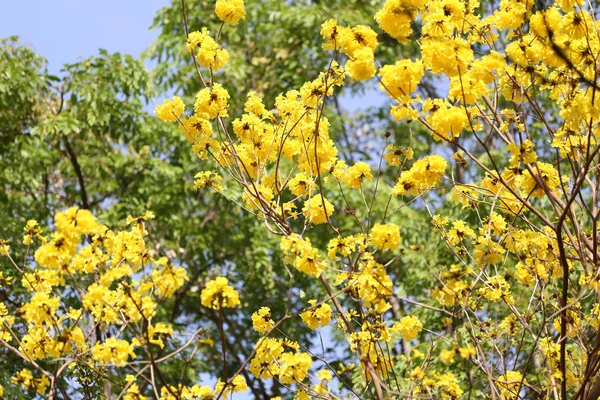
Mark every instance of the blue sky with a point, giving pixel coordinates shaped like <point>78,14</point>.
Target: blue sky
<point>64,31</point>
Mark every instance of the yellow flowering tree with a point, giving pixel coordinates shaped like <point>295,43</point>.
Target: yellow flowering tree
<point>509,310</point>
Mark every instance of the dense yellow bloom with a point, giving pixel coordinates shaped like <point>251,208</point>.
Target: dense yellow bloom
<point>301,185</point>
<point>407,184</point>
<point>198,392</point>
<point>362,66</point>
<point>447,356</point>
<point>366,344</point>
<point>354,175</point>
<point>573,323</point>
<point>212,101</point>
<point>230,11</point>
<point>487,251</point>
<point>294,367</point>
<point>314,211</point>
<point>395,17</point>
<point>316,316</point>
<point>544,172</point>
<point>385,236</point>
<point>258,196</point>
<point>261,320</point>
<point>467,88</point>
<point>496,289</point>
<point>170,110</point>
<point>159,331</point>
<point>308,262</point>
<point>133,393</point>
<point>448,386</point>
<point>523,153</point>
<point>450,56</point>
<point>402,78</point>
<point>113,351</point>
<point>494,224</point>
<point>459,232</point>
<point>447,121</point>
<point>467,195</point>
<point>264,365</point>
<point>409,327</point>
<point>358,38</point>
<point>218,294</point>
<point>208,53</point>
<point>428,170</point>
<point>40,309</point>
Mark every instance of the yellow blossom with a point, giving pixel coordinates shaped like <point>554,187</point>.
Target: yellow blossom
<point>218,294</point>
<point>170,110</point>
<point>230,11</point>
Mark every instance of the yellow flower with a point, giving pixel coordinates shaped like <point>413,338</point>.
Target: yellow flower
<point>406,184</point>
<point>238,384</point>
<point>385,236</point>
<point>402,78</point>
<point>261,320</point>
<point>230,11</point>
<point>314,211</point>
<point>447,356</point>
<point>393,154</point>
<point>409,327</point>
<point>544,172</point>
<point>429,170</point>
<point>459,232</point>
<point>357,38</point>
<point>300,185</point>
<point>4,248</point>
<point>133,393</point>
<point>467,352</point>
<point>447,121</point>
<point>170,110</point>
<point>212,101</point>
<point>209,54</point>
<point>362,66</point>
<point>294,367</point>
<point>450,56</point>
<point>113,351</point>
<point>510,384</point>
<point>25,378</point>
<point>523,153</point>
<point>354,175</point>
<point>316,316</point>
<point>198,392</point>
<point>218,294</point>
<point>325,375</point>
<point>32,229</point>
<point>395,17</point>
<point>330,31</point>
<point>497,289</point>
<point>300,252</point>
<point>204,179</point>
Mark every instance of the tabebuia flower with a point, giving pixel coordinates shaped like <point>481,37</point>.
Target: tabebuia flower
<point>170,110</point>
<point>230,11</point>
<point>219,294</point>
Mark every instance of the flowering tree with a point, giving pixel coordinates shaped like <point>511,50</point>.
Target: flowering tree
<point>509,310</point>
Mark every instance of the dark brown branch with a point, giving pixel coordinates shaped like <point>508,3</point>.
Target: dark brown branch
<point>84,199</point>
